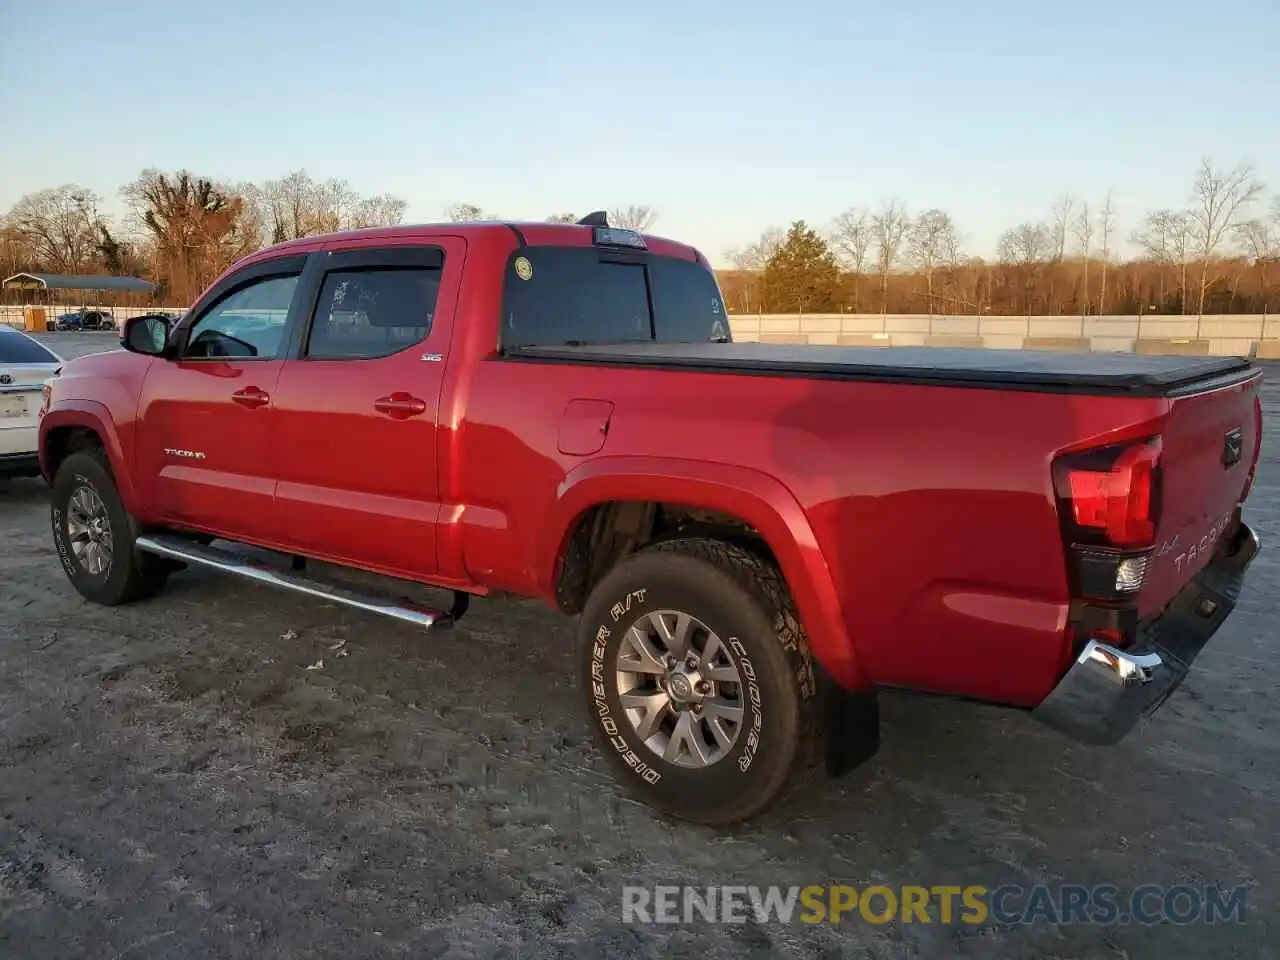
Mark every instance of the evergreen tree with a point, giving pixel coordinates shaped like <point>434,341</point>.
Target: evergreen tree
<point>802,276</point>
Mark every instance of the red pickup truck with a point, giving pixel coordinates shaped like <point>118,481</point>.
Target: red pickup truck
<point>756,538</point>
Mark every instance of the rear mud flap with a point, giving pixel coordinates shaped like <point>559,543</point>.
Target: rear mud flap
<point>851,725</point>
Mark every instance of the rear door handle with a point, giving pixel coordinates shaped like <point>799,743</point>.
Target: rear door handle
<point>400,405</point>
<point>251,397</point>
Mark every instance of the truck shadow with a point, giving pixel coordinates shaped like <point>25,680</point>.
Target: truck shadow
<point>22,492</point>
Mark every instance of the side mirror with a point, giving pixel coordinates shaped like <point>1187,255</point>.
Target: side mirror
<point>145,335</point>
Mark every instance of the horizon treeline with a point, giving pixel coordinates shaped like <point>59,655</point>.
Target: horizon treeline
<point>1219,253</point>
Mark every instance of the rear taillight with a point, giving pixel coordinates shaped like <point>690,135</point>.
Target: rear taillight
<point>1109,504</point>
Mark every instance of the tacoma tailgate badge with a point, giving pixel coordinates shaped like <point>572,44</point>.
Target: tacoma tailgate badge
<point>1232,447</point>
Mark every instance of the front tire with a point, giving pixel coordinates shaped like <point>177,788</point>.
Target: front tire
<point>698,679</point>
<point>94,534</point>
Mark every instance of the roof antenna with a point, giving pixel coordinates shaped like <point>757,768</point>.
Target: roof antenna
<point>597,219</point>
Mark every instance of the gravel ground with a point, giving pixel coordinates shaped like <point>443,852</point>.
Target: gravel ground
<point>176,782</point>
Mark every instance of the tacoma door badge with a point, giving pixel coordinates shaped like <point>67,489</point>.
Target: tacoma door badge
<point>185,454</point>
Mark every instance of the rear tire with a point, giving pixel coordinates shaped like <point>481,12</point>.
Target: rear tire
<point>665,720</point>
<point>94,534</point>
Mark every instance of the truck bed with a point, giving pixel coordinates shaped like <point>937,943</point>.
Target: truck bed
<point>1043,370</point>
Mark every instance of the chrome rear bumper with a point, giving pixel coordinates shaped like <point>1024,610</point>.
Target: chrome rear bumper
<point>1107,690</point>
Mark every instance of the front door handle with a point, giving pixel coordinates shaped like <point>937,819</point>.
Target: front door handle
<point>400,405</point>
<point>251,397</point>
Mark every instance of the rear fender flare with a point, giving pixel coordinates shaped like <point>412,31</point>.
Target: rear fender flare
<point>754,497</point>
<point>90,415</point>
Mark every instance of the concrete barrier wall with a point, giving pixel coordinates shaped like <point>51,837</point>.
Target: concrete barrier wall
<point>1224,335</point>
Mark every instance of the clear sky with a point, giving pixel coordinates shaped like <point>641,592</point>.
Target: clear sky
<point>726,118</point>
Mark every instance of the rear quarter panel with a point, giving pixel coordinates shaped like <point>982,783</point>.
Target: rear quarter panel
<point>932,507</point>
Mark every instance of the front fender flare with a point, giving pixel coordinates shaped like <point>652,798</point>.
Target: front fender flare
<point>754,497</point>
<point>94,416</point>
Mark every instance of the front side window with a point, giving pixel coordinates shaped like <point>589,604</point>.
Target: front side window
<point>374,312</point>
<point>247,325</point>
<point>564,296</point>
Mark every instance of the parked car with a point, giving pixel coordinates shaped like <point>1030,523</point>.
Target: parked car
<point>25,367</point>
<point>755,538</point>
<point>86,320</point>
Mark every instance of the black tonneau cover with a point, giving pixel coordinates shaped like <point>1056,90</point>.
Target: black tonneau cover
<point>1058,371</point>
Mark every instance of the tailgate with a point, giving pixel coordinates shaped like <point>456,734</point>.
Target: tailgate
<point>1210,445</point>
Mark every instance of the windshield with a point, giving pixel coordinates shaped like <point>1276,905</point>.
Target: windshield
<point>17,348</point>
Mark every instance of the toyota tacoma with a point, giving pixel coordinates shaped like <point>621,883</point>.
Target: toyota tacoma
<point>755,538</point>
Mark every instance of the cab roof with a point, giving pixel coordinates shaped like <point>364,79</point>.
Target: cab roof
<point>526,233</point>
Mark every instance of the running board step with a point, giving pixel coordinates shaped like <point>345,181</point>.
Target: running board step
<point>178,548</point>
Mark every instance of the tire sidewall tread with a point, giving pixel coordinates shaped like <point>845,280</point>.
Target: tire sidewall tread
<point>132,576</point>
<point>743,599</point>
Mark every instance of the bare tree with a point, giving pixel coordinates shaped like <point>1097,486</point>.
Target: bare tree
<point>931,243</point>
<point>1060,220</point>
<point>16,252</point>
<point>254,222</point>
<point>287,205</point>
<point>850,238</point>
<point>1106,227</point>
<point>850,235</point>
<point>1026,247</point>
<point>889,228</point>
<point>335,205</point>
<point>1061,225</point>
<point>465,212</point>
<point>381,210</point>
<point>298,206</point>
<point>563,218</point>
<point>60,225</point>
<point>634,218</point>
<point>752,259</point>
<point>1027,243</point>
<point>1218,200</point>
<point>1163,239</point>
<point>755,256</point>
<point>1082,229</point>
<point>196,224</point>
<point>1259,238</point>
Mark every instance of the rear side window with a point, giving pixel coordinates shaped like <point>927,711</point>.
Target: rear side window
<point>16,348</point>
<point>686,302</point>
<point>373,312</point>
<point>558,296</point>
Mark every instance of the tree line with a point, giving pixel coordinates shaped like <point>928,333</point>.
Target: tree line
<point>1220,253</point>
<point>181,230</point>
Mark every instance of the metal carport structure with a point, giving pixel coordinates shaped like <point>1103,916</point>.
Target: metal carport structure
<point>51,282</point>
